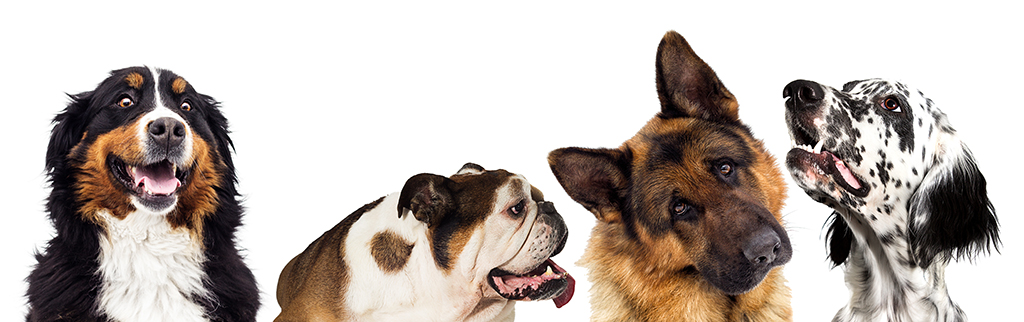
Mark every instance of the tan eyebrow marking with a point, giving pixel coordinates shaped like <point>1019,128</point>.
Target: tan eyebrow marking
<point>178,86</point>
<point>134,80</point>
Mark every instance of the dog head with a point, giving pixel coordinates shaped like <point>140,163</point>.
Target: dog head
<point>693,191</point>
<point>143,140</point>
<point>884,151</point>
<point>494,226</point>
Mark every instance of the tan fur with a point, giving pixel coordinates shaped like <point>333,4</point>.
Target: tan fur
<point>134,80</point>
<point>178,85</point>
<point>645,266</point>
<point>97,190</point>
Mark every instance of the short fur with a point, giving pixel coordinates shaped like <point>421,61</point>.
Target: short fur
<point>429,253</point>
<point>907,194</point>
<point>120,252</point>
<point>689,209</point>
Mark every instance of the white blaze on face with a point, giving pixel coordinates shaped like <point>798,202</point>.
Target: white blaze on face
<point>162,110</point>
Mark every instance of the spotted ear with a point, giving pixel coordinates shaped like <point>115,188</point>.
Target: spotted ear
<point>427,196</point>
<point>68,129</point>
<point>688,87</point>
<point>951,216</point>
<point>595,178</point>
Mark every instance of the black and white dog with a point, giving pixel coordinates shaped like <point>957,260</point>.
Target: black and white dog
<point>907,194</point>
<point>144,204</point>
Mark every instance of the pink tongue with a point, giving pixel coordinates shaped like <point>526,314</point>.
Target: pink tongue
<point>845,172</point>
<point>563,299</point>
<point>157,179</point>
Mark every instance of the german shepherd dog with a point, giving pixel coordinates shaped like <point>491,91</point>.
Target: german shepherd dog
<point>688,210</point>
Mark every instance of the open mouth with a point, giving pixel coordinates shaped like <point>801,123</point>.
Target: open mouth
<point>156,182</point>
<point>547,281</point>
<point>824,161</point>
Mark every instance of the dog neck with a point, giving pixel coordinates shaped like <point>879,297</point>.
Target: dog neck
<point>150,271</point>
<point>886,284</point>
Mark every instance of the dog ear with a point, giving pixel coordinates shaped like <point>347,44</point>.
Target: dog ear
<point>840,239</point>
<point>595,178</point>
<point>68,128</point>
<point>688,87</point>
<point>427,196</point>
<point>951,216</point>
<point>471,168</point>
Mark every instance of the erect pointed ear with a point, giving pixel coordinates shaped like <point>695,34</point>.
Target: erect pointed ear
<point>951,216</point>
<point>595,178</point>
<point>687,87</point>
<point>428,196</point>
<point>68,128</point>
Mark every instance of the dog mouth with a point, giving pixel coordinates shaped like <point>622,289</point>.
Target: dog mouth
<point>155,183</point>
<point>546,281</point>
<point>823,162</point>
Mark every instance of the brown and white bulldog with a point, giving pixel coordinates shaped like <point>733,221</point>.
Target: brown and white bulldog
<point>462,248</point>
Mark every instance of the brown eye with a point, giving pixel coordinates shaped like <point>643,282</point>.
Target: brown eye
<point>683,211</point>
<point>891,104</point>
<point>518,208</point>
<point>125,102</point>
<point>725,169</point>
<point>186,106</point>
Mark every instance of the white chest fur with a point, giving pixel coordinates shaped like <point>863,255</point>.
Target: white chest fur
<point>150,272</point>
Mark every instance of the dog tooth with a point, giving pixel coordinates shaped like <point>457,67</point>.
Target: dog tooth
<point>549,272</point>
<point>817,148</point>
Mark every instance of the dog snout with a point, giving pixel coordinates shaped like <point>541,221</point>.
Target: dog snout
<point>550,216</point>
<point>803,94</point>
<point>166,132</point>
<point>763,248</point>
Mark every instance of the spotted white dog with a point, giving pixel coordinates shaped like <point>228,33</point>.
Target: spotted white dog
<point>907,194</point>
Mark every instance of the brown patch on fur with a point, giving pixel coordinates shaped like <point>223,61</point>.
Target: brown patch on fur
<point>311,287</point>
<point>98,189</point>
<point>390,251</point>
<point>134,80</point>
<point>646,263</point>
<point>178,86</point>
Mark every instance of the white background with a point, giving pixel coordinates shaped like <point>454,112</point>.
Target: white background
<point>334,105</point>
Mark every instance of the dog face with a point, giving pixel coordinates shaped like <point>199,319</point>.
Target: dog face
<point>143,140</point>
<point>493,226</point>
<point>693,191</point>
<point>883,150</point>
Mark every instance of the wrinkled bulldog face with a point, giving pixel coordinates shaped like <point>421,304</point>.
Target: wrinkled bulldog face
<point>495,226</point>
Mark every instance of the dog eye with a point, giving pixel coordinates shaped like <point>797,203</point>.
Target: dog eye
<point>125,102</point>
<point>891,104</point>
<point>186,106</point>
<point>518,208</point>
<point>725,169</point>
<point>683,211</point>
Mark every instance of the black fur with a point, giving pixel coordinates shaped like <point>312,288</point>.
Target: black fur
<point>64,284</point>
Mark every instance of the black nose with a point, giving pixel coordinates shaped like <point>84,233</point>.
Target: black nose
<point>803,94</point>
<point>763,248</point>
<point>167,132</point>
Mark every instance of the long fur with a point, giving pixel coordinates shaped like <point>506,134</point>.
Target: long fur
<point>66,283</point>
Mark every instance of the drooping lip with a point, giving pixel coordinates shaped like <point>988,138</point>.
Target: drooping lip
<point>824,162</point>
<point>546,281</point>
<point>154,181</point>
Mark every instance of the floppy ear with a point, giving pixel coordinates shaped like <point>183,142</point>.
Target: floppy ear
<point>687,87</point>
<point>68,128</point>
<point>840,239</point>
<point>595,178</point>
<point>427,196</point>
<point>951,216</point>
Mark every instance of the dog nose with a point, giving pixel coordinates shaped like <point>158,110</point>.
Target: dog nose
<point>762,249</point>
<point>166,131</point>
<point>803,94</point>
